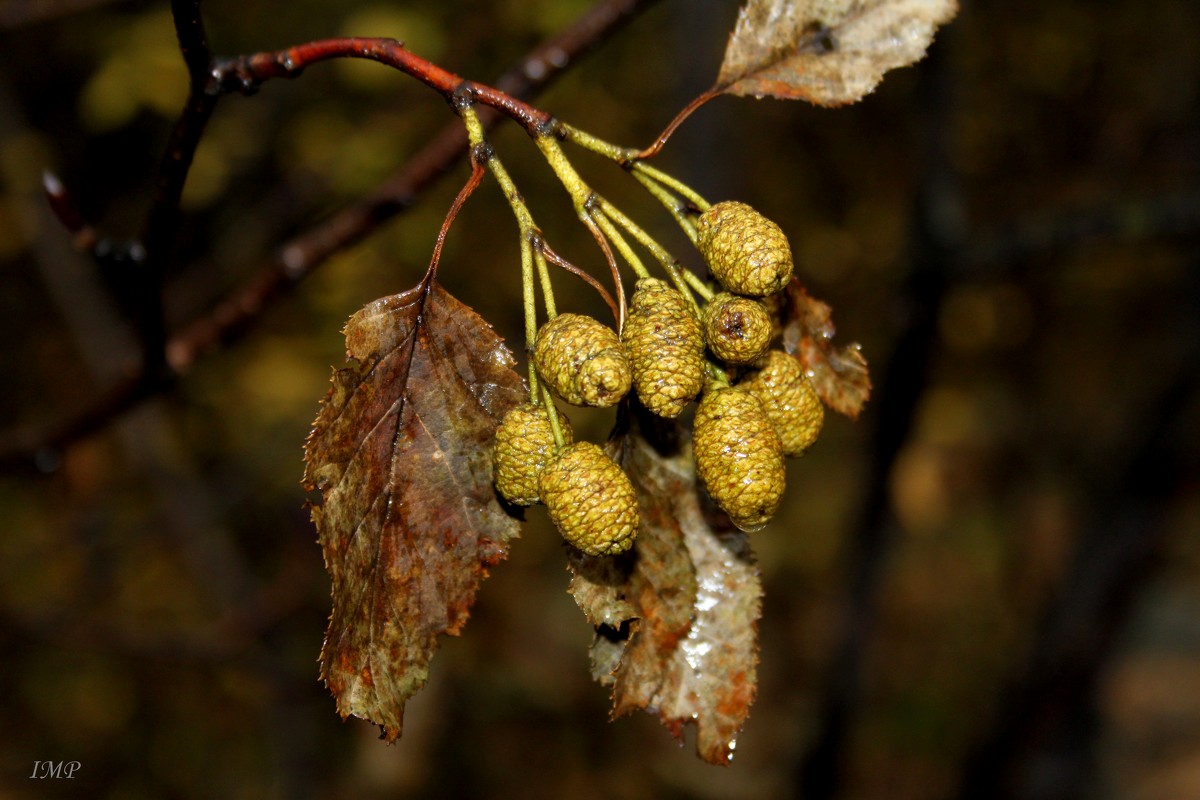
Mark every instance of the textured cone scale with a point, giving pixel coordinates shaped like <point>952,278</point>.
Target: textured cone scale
<point>590,500</point>
<point>738,330</point>
<point>738,456</point>
<point>524,443</point>
<point>744,250</point>
<point>666,347</point>
<point>583,361</point>
<point>790,401</point>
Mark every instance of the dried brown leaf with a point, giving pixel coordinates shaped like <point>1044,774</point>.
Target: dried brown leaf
<point>598,584</point>
<point>839,373</point>
<point>693,594</point>
<point>409,521</point>
<point>828,52</point>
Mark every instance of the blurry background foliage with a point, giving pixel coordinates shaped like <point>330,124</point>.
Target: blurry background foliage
<point>162,597</point>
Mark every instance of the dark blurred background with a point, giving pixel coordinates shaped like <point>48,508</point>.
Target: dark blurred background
<point>988,586</point>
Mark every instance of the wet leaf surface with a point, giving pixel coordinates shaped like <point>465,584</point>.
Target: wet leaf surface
<point>839,373</point>
<point>689,648</point>
<point>828,52</point>
<point>408,521</point>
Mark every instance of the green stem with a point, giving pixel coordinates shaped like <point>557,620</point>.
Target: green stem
<point>672,183</point>
<point>698,286</point>
<point>622,155</point>
<point>544,274</point>
<point>658,251</point>
<point>644,239</point>
<point>669,202</point>
<point>552,415</point>
<point>575,185</point>
<point>529,300</point>
<point>528,230</point>
<point>585,200</point>
<point>655,180</point>
<point>716,375</point>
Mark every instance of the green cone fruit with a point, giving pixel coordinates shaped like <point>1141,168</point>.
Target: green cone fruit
<point>524,443</point>
<point>789,400</point>
<point>666,347</point>
<point>583,361</point>
<point>590,500</point>
<point>738,330</point>
<point>738,456</point>
<point>745,251</point>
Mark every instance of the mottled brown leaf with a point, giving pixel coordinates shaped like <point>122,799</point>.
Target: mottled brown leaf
<point>408,521</point>
<point>839,373</point>
<point>693,593</point>
<point>828,52</point>
<point>598,584</point>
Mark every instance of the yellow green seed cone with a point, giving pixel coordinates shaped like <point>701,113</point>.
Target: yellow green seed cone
<point>666,347</point>
<point>738,456</point>
<point>748,253</point>
<point>583,361</point>
<point>590,500</point>
<point>789,400</point>
<point>524,443</point>
<point>738,330</point>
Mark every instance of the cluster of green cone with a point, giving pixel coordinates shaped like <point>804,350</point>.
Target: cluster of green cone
<point>741,432</point>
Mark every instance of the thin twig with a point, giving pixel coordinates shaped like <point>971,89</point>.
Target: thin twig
<point>560,262</point>
<point>246,73</point>
<point>938,238</point>
<point>598,235</point>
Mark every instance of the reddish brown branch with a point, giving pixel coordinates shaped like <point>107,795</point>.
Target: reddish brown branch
<point>296,259</point>
<point>246,73</point>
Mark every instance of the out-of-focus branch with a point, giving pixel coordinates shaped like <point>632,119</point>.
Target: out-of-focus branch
<point>938,237</point>
<point>297,258</point>
<point>193,41</point>
<point>150,256</point>
<point>142,262</point>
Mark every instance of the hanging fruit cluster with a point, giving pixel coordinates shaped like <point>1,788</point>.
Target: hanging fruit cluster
<point>756,404</point>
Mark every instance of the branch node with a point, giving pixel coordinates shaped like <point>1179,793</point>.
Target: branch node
<point>463,96</point>
<point>482,153</point>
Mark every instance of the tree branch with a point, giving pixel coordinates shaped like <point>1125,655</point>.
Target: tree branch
<point>297,258</point>
<point>151,255</point>
<point>937,239</point>
<point>246,73</point>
